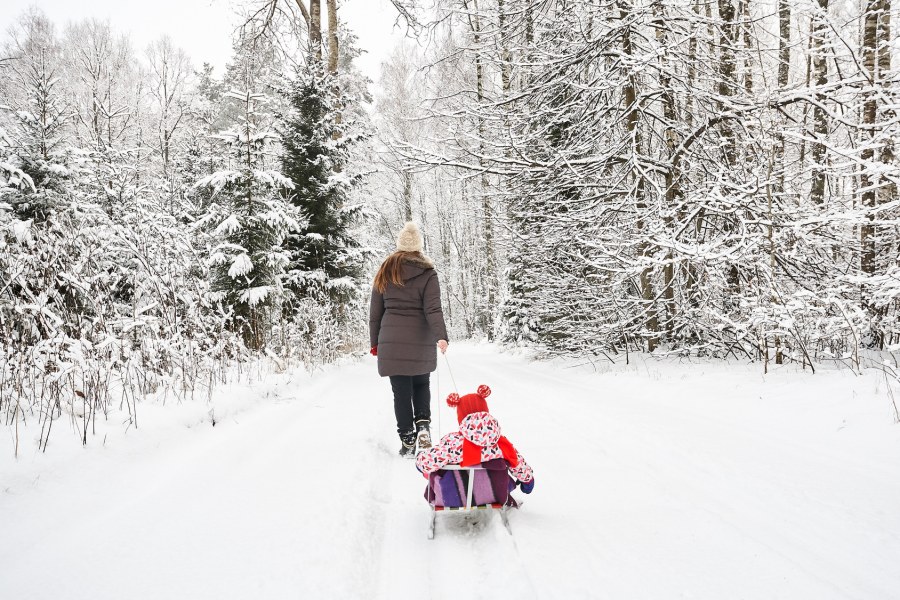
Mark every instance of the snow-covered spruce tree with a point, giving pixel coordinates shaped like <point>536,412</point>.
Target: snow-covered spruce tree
<point>35,112</point>
<point>321,125</point>
<point>252,219</point>
<point>324,256</point>
<point>200,152</point>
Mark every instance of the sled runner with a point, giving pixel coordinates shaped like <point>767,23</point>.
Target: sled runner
<point>465,489</point>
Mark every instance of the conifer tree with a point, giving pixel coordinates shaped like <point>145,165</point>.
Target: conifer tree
<point>324,257</point>
<point>252,221</point>
<point>35,108</point>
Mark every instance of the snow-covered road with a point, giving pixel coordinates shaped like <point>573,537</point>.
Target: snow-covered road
<point>653,481</point>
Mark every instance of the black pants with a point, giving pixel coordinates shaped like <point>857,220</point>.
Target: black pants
<point>412,400</point>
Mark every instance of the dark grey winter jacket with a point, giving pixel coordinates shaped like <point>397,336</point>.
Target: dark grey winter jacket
<point>407,322</point>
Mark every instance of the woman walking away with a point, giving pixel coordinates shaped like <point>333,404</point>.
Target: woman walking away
<point>405,324</point>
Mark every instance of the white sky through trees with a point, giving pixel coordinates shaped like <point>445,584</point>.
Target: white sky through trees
<point>204,27</point>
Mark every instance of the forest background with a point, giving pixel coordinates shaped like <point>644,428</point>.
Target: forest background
<point>594,178</point>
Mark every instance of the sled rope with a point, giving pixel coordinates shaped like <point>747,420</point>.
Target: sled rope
<point>440,405</point>
<point>449,370</point>
<point>437,372</point>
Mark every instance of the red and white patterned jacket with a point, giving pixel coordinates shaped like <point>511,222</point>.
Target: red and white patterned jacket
<point>481,429</point>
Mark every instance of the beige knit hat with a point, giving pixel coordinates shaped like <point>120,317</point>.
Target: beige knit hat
<point>410,240</point>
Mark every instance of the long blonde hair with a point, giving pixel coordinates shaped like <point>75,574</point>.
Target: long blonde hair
<point>391,270</point>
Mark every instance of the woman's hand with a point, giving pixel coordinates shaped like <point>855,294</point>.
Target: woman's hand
<point>442,344</point>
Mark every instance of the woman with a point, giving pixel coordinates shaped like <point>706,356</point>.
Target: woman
<point>405,323</point>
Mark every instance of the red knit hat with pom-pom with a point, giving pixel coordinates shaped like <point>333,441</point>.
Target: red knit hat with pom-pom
<point>473,403</point>
<point>470,403</point>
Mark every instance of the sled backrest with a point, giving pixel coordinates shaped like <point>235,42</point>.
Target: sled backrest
<point>472,474</point>
<point>466,488</point>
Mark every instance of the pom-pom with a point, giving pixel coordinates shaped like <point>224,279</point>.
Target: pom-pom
<point>484,391</point>
<point>453,400</point>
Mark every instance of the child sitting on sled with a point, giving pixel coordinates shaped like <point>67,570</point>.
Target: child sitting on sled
<point>477,441</point>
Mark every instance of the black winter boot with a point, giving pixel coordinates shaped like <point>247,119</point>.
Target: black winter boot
<point>423,435</point>
<point>408,444</point>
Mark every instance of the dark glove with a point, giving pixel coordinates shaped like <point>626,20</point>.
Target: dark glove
<point>527,487</point>
<point>374,351</point>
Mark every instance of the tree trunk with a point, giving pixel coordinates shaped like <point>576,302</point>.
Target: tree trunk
<point>524,70</point>
<point>784,66</point>
<point>490,267</point>
<point>747,26</point>
<point>529,22</point>
<point>315,27</point>
<point>727,86</point>
<point>869,183</point>
<point>690,270</point>
<point>333,56</point>
<point>728,38</point>
<point>673,175</point>
<point>505,55</point>
<point>820,123</point>
<point>406,176</point>
<point>333,49</point>
<point>888,190</point>
<point>784,42</point>
<point>651,322</point>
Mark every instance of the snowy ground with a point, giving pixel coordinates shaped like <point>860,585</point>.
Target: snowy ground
<point>657,480</point>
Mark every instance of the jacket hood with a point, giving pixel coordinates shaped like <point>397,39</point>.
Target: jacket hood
<point>415,266</point>
<point>481,429</point>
